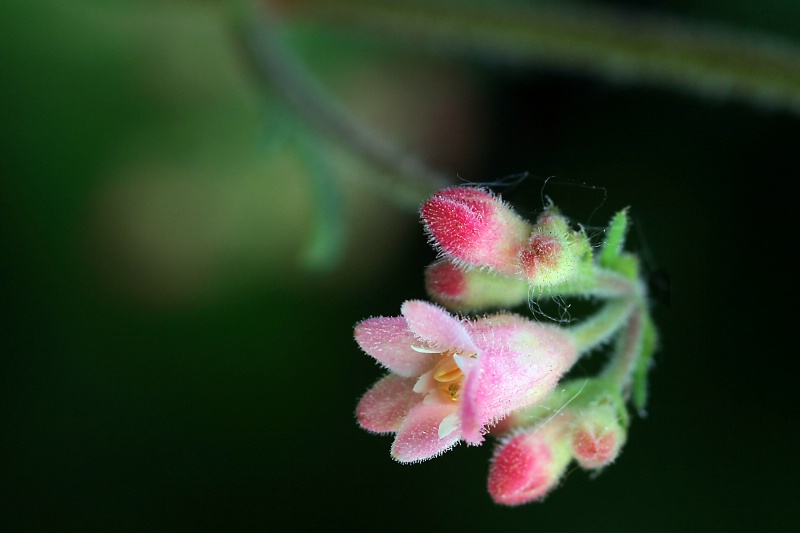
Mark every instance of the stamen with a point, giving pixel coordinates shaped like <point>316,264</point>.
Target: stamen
<point>447,370</point>
<point>453,389</point>
<point>423,349</point>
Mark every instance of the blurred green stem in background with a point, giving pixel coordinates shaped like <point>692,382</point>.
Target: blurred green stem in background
<point>610,42</point>
<point>613,43</point>
<point>406,178</point>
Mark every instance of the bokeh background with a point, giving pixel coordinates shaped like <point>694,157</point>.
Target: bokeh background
<point>184,258</point>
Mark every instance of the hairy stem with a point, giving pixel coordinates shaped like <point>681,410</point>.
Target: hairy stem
<point>600,40</point>
<point>622,365</point>
<point>601,283</point>
<point>600,327</point>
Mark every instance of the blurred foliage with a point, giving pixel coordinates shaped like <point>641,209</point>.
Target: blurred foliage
<point>171,362</point>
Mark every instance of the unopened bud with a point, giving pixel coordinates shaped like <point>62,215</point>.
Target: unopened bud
<point>474,227</point>
<point>528,465</point>
<point>598,436</point>
<point>471,290</point>
<point>553,253</point>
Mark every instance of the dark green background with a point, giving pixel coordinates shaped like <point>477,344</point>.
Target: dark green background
<point>235,412</point>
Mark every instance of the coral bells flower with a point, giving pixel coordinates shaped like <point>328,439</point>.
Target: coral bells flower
<point>527,465</point>
<point>451,379</point>
<point>474,227</point>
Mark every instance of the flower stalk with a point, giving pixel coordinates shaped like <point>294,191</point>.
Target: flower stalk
<point>600,327</point>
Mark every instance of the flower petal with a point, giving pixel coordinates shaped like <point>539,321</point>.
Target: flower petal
<point>433,324</point>
<point>520,363</point>
<point>383,408</point>
<point>418,438</point>
<point>390,342</point>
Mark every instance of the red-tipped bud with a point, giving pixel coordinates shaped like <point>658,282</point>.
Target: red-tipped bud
<point>528,465</point>
<point>553,253</point>
<point>472,290</point>
<point>597,437</point>
<point>474,227</point>
<point>543,259</point>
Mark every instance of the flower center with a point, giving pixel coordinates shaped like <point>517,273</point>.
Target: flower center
<point>443,382</point>
<point>448,376</point>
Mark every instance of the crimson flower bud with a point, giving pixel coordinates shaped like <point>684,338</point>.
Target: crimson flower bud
<point>528,465</point>
<point>475,228</point>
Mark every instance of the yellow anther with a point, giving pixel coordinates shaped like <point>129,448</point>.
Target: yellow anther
<point>449,391</point>
<point>446,370</point>
<point>453,390</point>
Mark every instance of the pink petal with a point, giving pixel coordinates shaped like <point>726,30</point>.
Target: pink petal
<point>383,408</point>
<point>418,438</point>
<point>389,341</point>
<point>473,419</point>
<point>519,364</point>
<point>433,324</point>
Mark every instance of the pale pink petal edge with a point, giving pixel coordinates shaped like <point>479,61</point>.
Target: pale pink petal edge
<point>383,407</point>
<point>435,325</point>
<point>389,341</point>
<point>418,438</point>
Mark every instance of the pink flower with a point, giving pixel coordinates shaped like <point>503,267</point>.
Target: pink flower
<point>451,379</point>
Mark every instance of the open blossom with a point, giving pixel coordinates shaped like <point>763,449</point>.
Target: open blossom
<point>451,379</point>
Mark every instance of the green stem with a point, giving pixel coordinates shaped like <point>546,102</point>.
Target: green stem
<point>600,283</point>
<point>643,361</point>
<point>407,179</point>
<point>599,328</point>
<point>622,365</point>
<point>605,41</point>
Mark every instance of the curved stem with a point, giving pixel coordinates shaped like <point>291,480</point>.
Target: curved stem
<point>616,44</point>
<point>276,66</point>
<point>620,368</point>
<point>600,283</point>
<point>599,328</point>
